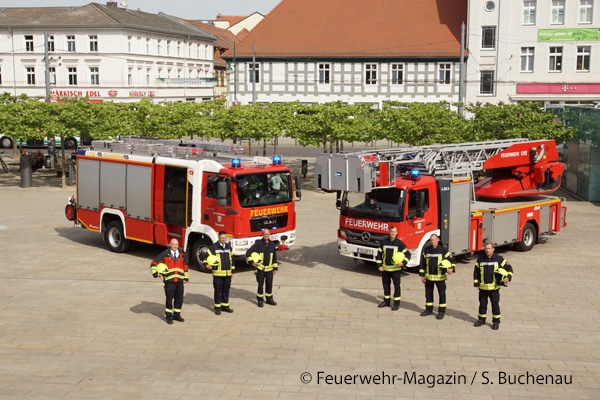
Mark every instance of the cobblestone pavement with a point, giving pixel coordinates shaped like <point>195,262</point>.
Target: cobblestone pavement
<point>81,322</point>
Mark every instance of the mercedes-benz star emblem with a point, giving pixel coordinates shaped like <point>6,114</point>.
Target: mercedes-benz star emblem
<point>366,236</point>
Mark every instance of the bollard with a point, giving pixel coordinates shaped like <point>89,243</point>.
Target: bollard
<point>26,172</point>
<point>304,167</point>
<point>71,174</point>
<point>48,162</point>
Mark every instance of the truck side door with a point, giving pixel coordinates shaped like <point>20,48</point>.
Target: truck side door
<point>419,216</point>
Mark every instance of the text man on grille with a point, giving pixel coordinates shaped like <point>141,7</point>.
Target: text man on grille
<point>392,256</point>
<point>436,264</point>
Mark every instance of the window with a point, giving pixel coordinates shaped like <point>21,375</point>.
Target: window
<point>529,12</point>
<point>583,58</point>
<point>444,73</point>
<point>71,43</point>
<point>586,8</point>
<point>28,42</point>
<point>72,73</point>
<point>558,12</point>
<point>418,203</point>
<point>324,73</point>
<point>158,46</point>
<point>52,75</point>
<point>147,45</point>
<point>168,47</point>
<point>94,76</point>
<point>527,57</point>
<point>555,59</point>
<point>488,37</point>
<point>371,74</point>
<point>93,43</point>
<point>397,74</point>
<point>147,76</point>
<point>50,43</point>
<point>254,73</point>
<point>30,75</point>
<point>178,49</point>
<point>486,82</point>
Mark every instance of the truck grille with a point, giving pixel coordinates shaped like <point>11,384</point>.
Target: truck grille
<point>268,222</point>
<point>356,237</point>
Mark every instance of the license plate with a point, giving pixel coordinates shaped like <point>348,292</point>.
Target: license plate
<point>365,251</point>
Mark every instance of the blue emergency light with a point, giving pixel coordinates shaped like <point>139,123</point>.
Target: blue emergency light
<point>236,163</point>
<point>415,173</point>
<point>276,159</point>
<point>81,152</point>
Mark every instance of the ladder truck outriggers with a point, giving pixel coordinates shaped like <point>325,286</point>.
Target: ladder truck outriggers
<point>425,190</point>
<point>151,191</point>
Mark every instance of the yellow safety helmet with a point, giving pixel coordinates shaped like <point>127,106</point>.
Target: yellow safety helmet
<point>398,257</point>
<point>445,264</point>
<point>212,260</point>
<point>162,268</point>
<point>256,258</point>
<point>499,275</point>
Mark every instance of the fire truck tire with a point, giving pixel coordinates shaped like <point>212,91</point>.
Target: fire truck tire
<point>528,238</point>
<point>198,254</point>
<point>115,238</point>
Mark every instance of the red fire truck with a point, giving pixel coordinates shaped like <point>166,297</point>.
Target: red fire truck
<point>441,189</point>
<point>177,192</point>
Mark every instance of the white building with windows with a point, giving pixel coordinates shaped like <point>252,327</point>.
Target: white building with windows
<point>104,52</point>
<point>539,50</point>
<point>350,51</point>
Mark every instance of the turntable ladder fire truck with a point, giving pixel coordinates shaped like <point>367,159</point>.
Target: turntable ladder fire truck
<point>424,190</point>
<point>151,191</point>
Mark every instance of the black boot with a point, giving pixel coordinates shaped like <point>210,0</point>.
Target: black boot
<point>384,303</point>
<point>226,309</point>
<point>428,311</point>
<point>479,322</point>
<point>271,301</point>
<point>396,305</point>
<point>495,325</point>
<point>260,302</point>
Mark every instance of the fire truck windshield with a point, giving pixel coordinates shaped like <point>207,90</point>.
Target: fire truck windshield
<point>264,189</point>
<point>383,204</point>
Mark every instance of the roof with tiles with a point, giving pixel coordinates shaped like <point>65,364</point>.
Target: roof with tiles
<point>358,29</point>
<point>97,16</point>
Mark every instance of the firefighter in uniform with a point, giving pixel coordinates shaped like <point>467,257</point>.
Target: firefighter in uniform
<point>490,274</point>
<point>220,261</point>
<point>172,266</point>
<point>392,256</point>
<point>263,257</point>
<point>436,265</point>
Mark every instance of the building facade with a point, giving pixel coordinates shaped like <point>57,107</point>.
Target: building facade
<point>341,51</point>
<point>104,53</point>
<point>539,50</point>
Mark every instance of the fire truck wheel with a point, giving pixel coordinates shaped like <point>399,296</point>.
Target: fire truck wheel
<point>198,255</point>
<point>528,238</point>
<point>115,238</point>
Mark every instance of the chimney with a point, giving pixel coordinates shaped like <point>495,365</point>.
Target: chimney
<point>111,3</point>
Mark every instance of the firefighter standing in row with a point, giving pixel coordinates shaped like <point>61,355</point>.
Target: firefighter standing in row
<point>172,266</point>
<point>491,272</point>
<point>392,256</point>
<point>436,265</point>
<point>220,261</point>
<point>263,257</point>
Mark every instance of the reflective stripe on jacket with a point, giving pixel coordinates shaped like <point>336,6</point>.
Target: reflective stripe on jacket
<point>483,274</point>
<point>178,268</point>
<point>268,252</point>
<point>431,261</point>
<point>386,252</point>
<point>224,266</point>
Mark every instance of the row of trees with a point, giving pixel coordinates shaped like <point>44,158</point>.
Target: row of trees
<point>326,125</point>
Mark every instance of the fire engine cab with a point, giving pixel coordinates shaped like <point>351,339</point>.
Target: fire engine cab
<point>151,191</point>
<point>467,193</point>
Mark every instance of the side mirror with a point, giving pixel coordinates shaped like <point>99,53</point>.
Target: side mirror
<point>222,193</point>
<point>297,187</point>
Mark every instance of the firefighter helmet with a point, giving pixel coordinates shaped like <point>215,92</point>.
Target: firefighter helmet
<point>256,257</point>
<point>212,260</point>
<point>162,268</point>
<point>499,275</point>
<point>398,257</point>
<point>445,264</point>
